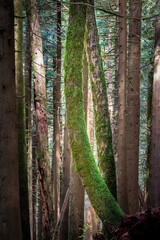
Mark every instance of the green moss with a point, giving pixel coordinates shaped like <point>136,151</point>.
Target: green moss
<point>100,103</point>
<point>105,205</point>
<point>91,67</point>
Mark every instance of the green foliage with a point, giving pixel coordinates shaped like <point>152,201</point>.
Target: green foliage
<point>85,228</point>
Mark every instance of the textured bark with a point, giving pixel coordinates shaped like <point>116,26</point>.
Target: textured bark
<point>91,218</point>
<point>101,199</point>
<point>29,115</point>
<point>90,120</point>
<point>76,205</point>
<point>41,119</point>
<point>34,178</point>
<point>65,184</point>
<point>115,107</point>
<point>154,168</point>
<point>100,103</point>
<point>149,119</point>
<point>121,119</point>
<point>133,104</point>
<point>57,125</point>
<point>10,220</point>
<point>20,93</point>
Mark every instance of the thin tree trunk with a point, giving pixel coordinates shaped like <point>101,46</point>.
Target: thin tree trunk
<point>121,119</point>
<point>65,184</point>
<point>28,96</point>
<point>57,127</point>
<point>154,177</point>
<point>115,108</point>
<point>20,92</point>
<point>41,119</point>
<point>101,199</point>
<point>10,220</point>
<point>133,104</point>
<point>149,120</point>
<point>100,103</point>
<point>34,181</point>
<point>39,214</point>
<point>91,218</point>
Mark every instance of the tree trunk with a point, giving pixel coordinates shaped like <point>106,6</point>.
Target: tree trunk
<point>133,104</point>
<point>149,120</point>
<point>57,127</point>
<point>121,119</point>
<point>100,102</point>
<point>154,177</point>
<point>28,96</point>
<point>10,220</point>
<point>101,199</point>
<point>91,217</point>
<point>76,200</point>
<point>76,205</point>
<point>65,184</point>
<point>41,119</point>
<point>20,92</point>
<point>34,182</point>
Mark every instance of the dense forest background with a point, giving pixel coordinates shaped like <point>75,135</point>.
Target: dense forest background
<point>79,116</point>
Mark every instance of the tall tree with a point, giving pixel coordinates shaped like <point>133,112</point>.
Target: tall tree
<point>133,104</point>
<point>121,119</point>
<point>10,220</point>
<point>100,102</point>
<point>41,119</point>
<point>57,124</point>
<point>101,199</point>
<point>153,199</point>
<point>20,92</point>
<point>76,201</point>
<point>28,96</point>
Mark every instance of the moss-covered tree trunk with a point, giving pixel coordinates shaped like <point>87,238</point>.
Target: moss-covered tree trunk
<point>20,92</point>
<point>101,199</point>
<point>41,119</point>
<point>10,220</point>
<point>100,102</point>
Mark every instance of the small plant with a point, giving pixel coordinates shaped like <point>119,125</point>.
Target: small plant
<point>85,228</point>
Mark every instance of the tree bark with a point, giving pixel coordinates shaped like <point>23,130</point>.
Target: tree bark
<point>65,184</point>
<point>29,116</point>
<point>121,119</point>
<point>154,168</point>
<point>101,199</point>
<point>100,102</point>
<point>34,182</point>
<point>10,220</point>
<point>41,119</point>
<point>57,124</point>
<point>21,116</point>
<point>133,104</point>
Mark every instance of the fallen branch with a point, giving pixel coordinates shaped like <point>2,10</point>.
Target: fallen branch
<point>64,206</point>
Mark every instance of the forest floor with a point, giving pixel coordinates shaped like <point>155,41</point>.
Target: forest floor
<point>139,226</point>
